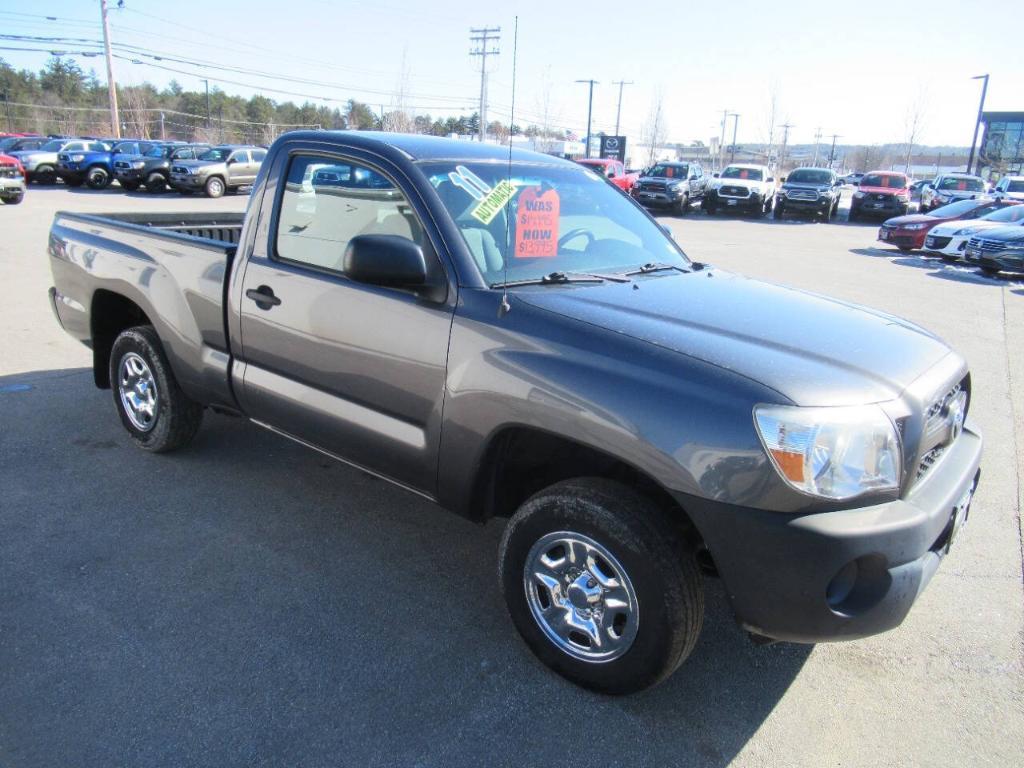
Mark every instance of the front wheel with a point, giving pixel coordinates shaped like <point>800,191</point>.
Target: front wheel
<point>155,183</point>
<point>13,199</point>
<point>601,585</point>
<point>214,187</point>
<point>97,178</point>
<point>779,211</point>
<point>157,414</point>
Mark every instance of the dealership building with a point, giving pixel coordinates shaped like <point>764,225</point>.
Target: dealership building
<point>1002,147</point>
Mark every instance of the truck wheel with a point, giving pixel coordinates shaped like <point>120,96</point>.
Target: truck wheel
<point>779,212</point>
<point>13,199</point>
<point>600,585</point>
<point>708,206</point>
<point>852,215</point>
<point>989,271</point>
<point>214,187</point>
<point>45,174</point>
<point>683,206</point>
<point>97,178</point>
<point>826,217</point>
<point>155,183</point>
<point>152,407</point>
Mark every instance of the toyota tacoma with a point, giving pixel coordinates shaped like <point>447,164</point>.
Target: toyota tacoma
<point>510,336</point>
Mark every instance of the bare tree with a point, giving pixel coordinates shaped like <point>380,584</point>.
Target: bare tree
<point>547,114</point>
<point>914,121</point>
<point>655,131</point>
<point>133,112</point>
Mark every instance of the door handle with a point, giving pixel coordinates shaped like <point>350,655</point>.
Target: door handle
<point>263,296</point>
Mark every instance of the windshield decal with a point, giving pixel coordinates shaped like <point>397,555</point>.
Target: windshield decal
<point>463,178</point>
<point>492,204</point>
<point>537,224</point>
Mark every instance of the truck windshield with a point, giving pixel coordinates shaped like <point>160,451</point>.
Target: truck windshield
<point>669,171</point>
<point>752,174</point>
<point>547,218</point>
<point>891,181</point>
<point>810,176</point>
<point>960,184</point>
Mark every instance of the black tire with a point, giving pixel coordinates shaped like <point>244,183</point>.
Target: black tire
<point>129,186</point>
<point>641,538</point>
<point>156,183</point>
<point>989,271</point>
<point>853,214</point>
<point>826,217</point>
<point>779,212</point>
<point>13,200</point>
<point>215,187</point>
<point>176,418</point>
<point>45,174</point>
<point>904,249</point>
<point>97,178</point>
<point>767,207</point>
<point>708,206</point>
<point>683,206</point>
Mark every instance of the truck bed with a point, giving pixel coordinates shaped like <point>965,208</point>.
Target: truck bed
<point>172,266</point>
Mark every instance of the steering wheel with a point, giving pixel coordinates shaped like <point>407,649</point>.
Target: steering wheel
<point>573,234</point>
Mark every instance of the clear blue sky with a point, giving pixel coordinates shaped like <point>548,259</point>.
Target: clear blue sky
<point>850,67</point>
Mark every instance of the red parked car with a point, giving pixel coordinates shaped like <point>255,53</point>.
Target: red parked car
<point>881,193</point>
<point>613,170</point>
<point>909,232</point>
<point>12,180</point>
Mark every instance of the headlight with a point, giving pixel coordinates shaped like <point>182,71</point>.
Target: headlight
<point>858,194</point>
<point>966,231</point>
<point>913,226</point>
<point>139,165</point>
<point>833,453</point>
<point>76,158</point>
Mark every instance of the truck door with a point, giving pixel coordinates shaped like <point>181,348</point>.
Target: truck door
<point>240,168</point>
<point>357,370</point>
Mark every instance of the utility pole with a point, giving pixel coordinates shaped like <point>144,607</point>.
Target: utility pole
<point>735,126</point>
<point>163,134</point>
<point>590,109</point>
<point>817,142</point>
<point>981,108</point>
<point>721,140</point>
<point>115,122</point>
<point>832,152</point>
<point>618,111</point>
<point>785,140</point>
<point>481,38</point>
<point>207,82</point>
<point>7,103</point>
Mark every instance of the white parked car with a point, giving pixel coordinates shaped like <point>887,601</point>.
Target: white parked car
<point>741,187</point>
<point>949,240</point>
<point>1011,187</point>
<point>947,188</point>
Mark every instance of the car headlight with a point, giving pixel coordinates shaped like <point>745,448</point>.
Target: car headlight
<point>139,165</point>
<point>914,226</point>
<point>76,158</point>
<point>966,231</point>
<point>833,453</point>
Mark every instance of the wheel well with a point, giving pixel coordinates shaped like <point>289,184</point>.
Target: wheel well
<point>110,314</point>
<point>520,461</point>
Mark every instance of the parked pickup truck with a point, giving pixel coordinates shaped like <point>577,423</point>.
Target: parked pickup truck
<point>613,170</point>
<point>218,170</point>
<point>518,339</point>
<point>671,185</point>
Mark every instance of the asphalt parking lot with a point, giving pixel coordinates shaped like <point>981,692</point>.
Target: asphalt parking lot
<point>248,602</point>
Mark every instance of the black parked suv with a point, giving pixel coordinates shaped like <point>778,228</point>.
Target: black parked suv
<point>152,169</point>
<point>811,191</point>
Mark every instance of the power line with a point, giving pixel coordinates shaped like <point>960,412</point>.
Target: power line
<point>481,37</point>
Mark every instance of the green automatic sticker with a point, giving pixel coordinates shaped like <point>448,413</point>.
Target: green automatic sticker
<point>494,202</point>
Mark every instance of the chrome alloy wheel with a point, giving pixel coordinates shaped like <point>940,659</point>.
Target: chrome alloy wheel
<point>580,596</point>
<point>137,388</point>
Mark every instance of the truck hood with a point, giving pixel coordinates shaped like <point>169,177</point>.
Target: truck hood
<point>196,163</point>
<point>811,349</point>
<point>749,183</point>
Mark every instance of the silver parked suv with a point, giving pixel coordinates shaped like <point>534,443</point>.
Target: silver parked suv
<point>219,169</point>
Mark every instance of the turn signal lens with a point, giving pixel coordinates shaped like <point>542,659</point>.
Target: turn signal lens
<point>834,453</point>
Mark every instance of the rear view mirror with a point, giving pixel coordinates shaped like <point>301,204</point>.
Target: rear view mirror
<point>385,260</point>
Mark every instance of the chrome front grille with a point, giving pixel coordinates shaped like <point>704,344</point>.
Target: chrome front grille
<point>802,194</point>
<point>731,190</point>
<point>9,172</point>
<point>986,246</point>
<point>934,417</point>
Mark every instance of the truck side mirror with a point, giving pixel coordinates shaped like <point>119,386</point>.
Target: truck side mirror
<point>385,260</point>
<point>772,178</point>
<point>715,174</point>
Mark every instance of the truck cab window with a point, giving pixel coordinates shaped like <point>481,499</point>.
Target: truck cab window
<point>327,202</point>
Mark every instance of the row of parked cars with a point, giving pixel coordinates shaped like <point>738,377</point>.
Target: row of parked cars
<point>135,164</point>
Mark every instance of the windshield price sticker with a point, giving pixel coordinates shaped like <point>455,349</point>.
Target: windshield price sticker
<point>537,224</point>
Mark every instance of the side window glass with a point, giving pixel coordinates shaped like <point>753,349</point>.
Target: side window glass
<point>327,202</point>
<point>240,157</point>
<point>258,155</point>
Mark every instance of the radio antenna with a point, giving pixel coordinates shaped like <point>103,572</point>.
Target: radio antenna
<point>505,306</point>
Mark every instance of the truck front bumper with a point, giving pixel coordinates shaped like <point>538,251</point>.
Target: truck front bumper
<point>11,187</point>
<point>190,182</point>
<point>845,574</point>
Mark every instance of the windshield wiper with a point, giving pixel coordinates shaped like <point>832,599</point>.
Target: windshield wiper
<point>560,278</point>
<point>655,267</point>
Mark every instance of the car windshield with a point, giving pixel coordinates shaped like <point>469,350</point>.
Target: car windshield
<point>543,218</point>
<point>1015,186</point>
<point>665,171</point>
<point>954,210</point>
<point>9,142</point>
<point>887,180</point>
<point>215,154</point>
<point>1008,215</point>
<point>810,176</point>
<point>752,174</point>
<point>961,185</point>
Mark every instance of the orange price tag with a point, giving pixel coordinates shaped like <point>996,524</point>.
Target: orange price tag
<point>537,224</point>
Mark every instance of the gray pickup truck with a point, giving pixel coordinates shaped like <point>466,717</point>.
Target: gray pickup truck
<point>511,336</point>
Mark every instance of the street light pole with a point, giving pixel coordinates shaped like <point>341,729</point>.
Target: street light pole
<point>618,111</point>
<point>977,123</point>
<point>207,82</point>
<point>735,125</point>
<point>832,152</point>
<point>7,103</point>
<point>590,110</point>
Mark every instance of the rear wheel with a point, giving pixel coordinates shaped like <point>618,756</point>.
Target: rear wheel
<point>45,174</point>
<point>990,271</point>
<point>600,585</point>
<point>13,199</point>
<point>152,407</point>
<point>214,187</point>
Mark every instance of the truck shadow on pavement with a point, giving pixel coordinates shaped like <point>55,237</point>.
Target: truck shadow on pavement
<point>246,600</point>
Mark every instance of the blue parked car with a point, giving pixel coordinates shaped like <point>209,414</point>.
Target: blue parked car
<point>96,168</point>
